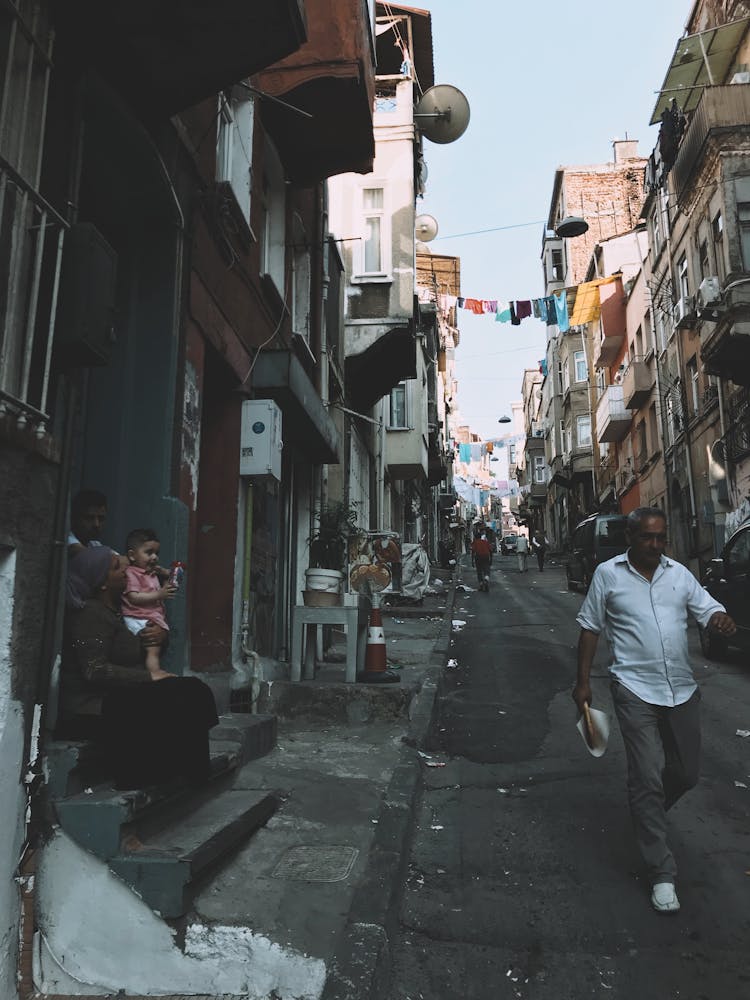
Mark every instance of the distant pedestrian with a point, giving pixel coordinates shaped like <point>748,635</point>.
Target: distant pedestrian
<point>539,544</point>
<point>640,600</point>
<point>522,553</point>
<point>481,556</point>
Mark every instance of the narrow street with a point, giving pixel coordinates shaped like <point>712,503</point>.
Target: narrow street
<point>523,879</point>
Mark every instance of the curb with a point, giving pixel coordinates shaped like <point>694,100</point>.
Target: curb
<point>361,967</point>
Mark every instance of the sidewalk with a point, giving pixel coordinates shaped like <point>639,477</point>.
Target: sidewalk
<point>313,888</point>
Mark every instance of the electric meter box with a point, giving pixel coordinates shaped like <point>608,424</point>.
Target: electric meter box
<point>260,439</point>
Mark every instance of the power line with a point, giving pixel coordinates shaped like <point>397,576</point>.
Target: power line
<point>495,229</point>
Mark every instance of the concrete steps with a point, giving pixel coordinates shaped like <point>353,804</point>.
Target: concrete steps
<point>163,840</point>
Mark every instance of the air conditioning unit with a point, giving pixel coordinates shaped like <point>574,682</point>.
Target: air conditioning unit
<point>709,293</point>
<point>742,77</point>
<point>683,312</point>
<point>539,433</point>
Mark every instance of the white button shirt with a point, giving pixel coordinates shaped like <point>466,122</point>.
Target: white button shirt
<point>646,625</point>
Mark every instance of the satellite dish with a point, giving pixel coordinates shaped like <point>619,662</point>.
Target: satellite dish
<point>425,228</point>
<point>422,248</point>
<point>442,113</point>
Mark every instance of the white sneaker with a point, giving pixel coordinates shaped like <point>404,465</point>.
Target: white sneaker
<point>664,898</point>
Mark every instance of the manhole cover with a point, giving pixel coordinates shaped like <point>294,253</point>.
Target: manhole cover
<point>316,864</point>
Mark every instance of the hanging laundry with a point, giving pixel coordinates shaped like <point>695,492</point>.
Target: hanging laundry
<point>464,453</point>
<point>523,309</point>
<point>474,305</point>
<point>460,301</point>
<point>514,315</point>
<point>561,308</point>
<point>551,310</point>
<point>503,312</point>
<point>476,452</point>
<point>489,447</point>
<point>489,305</point>
<point>536,308</point>
<point>543,367</point>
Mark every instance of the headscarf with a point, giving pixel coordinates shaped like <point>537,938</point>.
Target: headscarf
<point>87,570</point>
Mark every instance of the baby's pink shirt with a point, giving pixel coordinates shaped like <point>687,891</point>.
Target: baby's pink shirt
<point>139,581</point>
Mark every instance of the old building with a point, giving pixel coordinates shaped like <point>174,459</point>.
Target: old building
<point>697,193</point>
<point>167,265</point>
<point>608,198</point>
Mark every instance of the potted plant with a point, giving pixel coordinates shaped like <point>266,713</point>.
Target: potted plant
<point>329,544</point>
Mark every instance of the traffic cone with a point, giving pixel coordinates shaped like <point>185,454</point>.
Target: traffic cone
<point>376,666</point>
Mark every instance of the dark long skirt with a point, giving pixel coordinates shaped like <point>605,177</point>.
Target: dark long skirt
<point>154,733</point>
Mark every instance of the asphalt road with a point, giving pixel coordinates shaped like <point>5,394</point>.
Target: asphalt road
<point>523,881</point>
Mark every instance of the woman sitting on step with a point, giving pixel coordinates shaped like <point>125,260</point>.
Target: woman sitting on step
<point>152,725</point>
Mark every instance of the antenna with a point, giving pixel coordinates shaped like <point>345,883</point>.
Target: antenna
<point>442,113</point>
<point>425,228</point>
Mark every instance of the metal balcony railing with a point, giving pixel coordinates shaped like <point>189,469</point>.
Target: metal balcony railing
<point>737,437</point>
<point>724,108</point>
<point>31,242</point>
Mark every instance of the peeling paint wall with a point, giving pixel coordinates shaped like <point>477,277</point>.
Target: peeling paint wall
<point>96,936</point>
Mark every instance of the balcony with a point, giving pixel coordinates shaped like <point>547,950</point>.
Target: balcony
<point>332,79</point>
<point>725,344</point>
<point>723,113</point>
<point>637,382</point>
<point>164,56</point>
<point>406,455</point>
<point>607,349</point>
<point>612,418</point>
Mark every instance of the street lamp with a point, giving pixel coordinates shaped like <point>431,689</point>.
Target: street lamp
<point>571,226</point>
<point>503,420</point>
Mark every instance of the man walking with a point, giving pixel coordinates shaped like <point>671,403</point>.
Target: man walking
<point>481,556</point>
<point>539,544</point>
<point>641,600</point>
<point>522,552</point>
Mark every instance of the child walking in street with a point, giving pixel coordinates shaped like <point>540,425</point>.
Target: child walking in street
<point>146,589</point>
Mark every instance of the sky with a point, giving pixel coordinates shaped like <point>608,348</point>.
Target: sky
<point>548,84</point>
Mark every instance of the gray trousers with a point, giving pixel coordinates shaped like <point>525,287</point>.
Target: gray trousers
<point>663,753</point>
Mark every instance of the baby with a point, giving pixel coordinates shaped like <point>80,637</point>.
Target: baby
<point>145,593</point>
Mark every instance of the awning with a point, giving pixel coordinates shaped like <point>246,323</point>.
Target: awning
<point>700,60</point>
<point>279,375</point>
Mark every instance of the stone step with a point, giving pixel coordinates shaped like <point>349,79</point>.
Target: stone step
<point>98,817</point>
<point>170,862</point>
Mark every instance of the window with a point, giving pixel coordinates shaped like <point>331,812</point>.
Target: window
<point>653,431</point>
<point>743,221</point>
<point>511,454</point>
<point>374,253</point>
<point>398,411</point>
<point>656,235</point>
<point>566,375</point>
<point>703,258</point>
<point>641,451</point>
<point>691,369</point>
<point>563,438</point>
<point>682,276</point>
<point>717,231</point>
<point>540,471</point>
<point>738,556</point>
<point>273,218</point>
<point>556,265</point>
<point>560,376</point>
<point>583,431</point>
<point>661,330</point>
<point>300,278</point>
<point>234,146</point>
<point>579,360</point>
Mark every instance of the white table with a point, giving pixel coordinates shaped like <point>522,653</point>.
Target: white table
<point>304,637</point>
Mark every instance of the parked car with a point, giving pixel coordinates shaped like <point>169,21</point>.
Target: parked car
<point>508,544</point>
<point>728,580</point>
<point>598,538</point>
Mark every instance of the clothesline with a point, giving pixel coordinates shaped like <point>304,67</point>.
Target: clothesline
<point>571,306</point>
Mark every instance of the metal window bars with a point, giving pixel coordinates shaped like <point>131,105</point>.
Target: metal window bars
<point>31,242</point>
